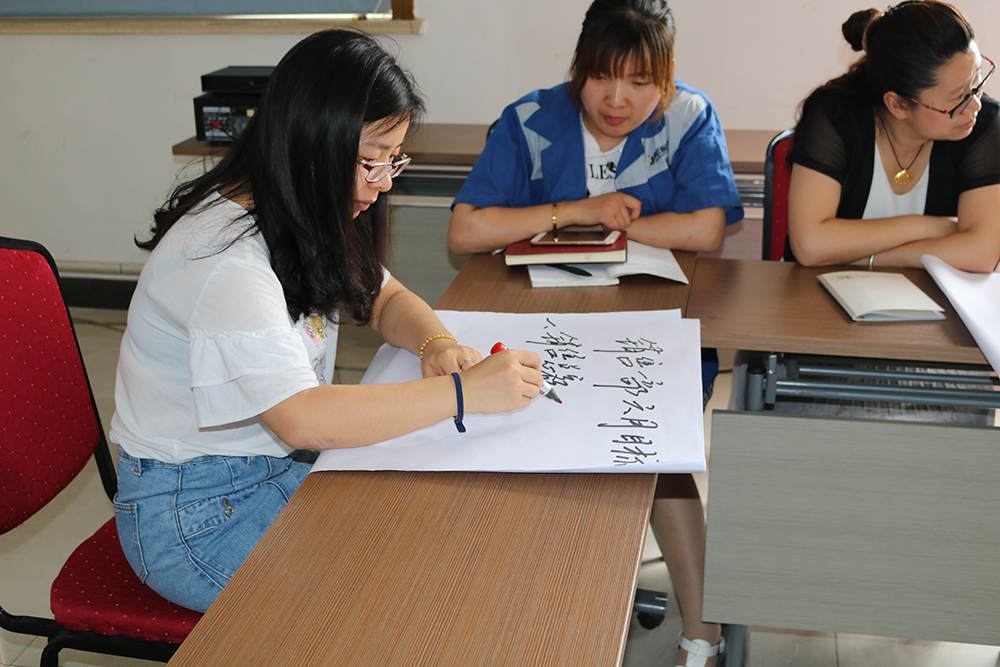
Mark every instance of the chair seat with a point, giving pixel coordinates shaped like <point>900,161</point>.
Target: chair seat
<point>97,590</point>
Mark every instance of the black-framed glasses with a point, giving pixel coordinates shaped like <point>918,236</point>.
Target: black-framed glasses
<point>379,170</point>
<point>964,104</point>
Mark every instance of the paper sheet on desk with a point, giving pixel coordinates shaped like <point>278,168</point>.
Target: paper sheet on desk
<point>642,258</point>
<point>976,298</point>
<point>630,384</point>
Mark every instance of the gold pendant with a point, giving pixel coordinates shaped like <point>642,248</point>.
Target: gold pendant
<point>903,177</point>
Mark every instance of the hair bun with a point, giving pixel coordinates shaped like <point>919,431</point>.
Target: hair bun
<point>854,27</point>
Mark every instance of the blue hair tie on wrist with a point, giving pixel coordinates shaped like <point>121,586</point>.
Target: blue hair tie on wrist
<point>461,404</point>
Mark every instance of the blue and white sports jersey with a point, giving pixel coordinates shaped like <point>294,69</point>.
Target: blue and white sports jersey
<point>535,155</point>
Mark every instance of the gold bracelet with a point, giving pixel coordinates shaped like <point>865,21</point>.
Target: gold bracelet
<point>555,218</point>
<point>435,337</point>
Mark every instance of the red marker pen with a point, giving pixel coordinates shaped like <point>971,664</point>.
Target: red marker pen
<point>547,391</point>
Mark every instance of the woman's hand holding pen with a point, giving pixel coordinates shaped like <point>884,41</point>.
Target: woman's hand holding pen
<point>502,382</point>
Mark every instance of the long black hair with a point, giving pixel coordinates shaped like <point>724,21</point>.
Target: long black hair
<point>296,162</point>
<point>904,47</point>
<point>617,33</point>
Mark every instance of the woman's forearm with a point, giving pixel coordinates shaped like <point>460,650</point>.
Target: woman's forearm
<point>840,241</point>
<point>699,231</point>
<point>404,319</point>
<point>474,229</point>
<point>965,251</point>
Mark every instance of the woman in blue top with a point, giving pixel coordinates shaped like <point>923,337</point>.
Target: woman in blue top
<point>624,145</point>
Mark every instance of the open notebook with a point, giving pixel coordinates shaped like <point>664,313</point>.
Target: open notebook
<point>641,259</point>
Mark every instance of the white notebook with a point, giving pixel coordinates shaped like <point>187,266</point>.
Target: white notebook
<point>875,296</point>
<point>641,259</point>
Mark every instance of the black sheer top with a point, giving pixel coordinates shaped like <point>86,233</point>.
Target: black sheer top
<point>836,137</point>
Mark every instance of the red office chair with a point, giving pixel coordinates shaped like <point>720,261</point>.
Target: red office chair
<point>49,429</point>
<point>777,174</point>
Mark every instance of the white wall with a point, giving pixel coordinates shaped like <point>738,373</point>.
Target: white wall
<point>86,122</point>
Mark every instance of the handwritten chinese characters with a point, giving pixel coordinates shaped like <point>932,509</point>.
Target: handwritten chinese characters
<point>631,391</point>
<point>563,356</point>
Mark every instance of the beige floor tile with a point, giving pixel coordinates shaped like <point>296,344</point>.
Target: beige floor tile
<point>784,648</point>
<point>864,651</point>
<point>12,645</point>
<point>73,658</point>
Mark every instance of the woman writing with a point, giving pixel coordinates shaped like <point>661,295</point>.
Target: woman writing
<point>900,156</point>
<point>226,363</point>
<point>623,145</point>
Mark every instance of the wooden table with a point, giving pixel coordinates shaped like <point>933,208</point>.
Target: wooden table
<point>781,307</point>
<point>461,144</point>
<point>844,525</point>
<point>447,568</point>
<point>432,143</point>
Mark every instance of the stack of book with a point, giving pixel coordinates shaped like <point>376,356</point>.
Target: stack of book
<point>531,251</point>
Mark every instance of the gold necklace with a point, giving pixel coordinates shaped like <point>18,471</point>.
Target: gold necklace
<point>903,176</point>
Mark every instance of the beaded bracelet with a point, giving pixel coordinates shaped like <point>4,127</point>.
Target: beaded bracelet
<point>435,337</point>
<point>461,404</point>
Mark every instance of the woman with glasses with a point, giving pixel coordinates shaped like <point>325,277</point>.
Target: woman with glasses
<point>900,156</point>
<point>226,364</point>
<point>625,146</point>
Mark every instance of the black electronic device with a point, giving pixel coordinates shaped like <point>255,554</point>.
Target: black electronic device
<point>221,117</point>
<point>236,79</point>
<point>230,98</point>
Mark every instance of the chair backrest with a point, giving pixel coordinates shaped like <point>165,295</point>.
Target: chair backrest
<point>49,425</point>
<point>777,174</point>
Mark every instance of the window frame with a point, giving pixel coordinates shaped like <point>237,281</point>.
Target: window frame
<point>402,22</point>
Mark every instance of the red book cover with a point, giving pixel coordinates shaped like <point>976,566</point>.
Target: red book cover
<point>523,252</point>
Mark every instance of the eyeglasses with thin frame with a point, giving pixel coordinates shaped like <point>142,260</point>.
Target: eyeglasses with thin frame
<point>379,170</point>
<point>964,104</point>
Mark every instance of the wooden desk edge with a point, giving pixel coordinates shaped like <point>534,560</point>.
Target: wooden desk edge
<point>465,141</point>
<point>728,335</point>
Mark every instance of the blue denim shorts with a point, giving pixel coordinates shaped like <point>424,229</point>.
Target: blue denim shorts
<point>185,528</point>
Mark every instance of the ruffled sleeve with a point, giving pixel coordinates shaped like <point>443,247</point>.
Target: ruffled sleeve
<point>246,354</point>
<point>238,375</point>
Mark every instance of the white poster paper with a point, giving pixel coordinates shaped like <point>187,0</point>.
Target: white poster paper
<point>630,383</point>
<point>976,298</point>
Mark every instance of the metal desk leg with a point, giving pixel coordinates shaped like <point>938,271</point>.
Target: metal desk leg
<point>737,646</point>
<point>756,375</point>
